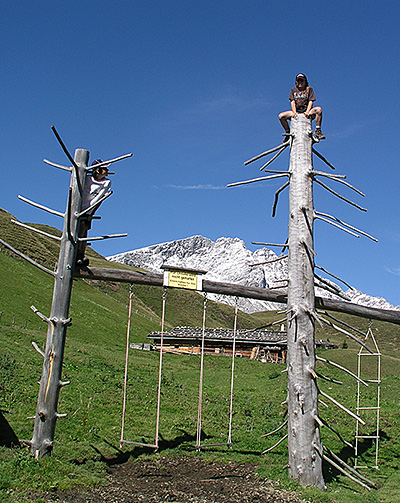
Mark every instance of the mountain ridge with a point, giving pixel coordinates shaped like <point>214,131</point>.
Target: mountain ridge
<point>229,260</point>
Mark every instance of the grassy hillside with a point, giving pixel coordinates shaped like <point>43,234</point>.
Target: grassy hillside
<point>94,363</point>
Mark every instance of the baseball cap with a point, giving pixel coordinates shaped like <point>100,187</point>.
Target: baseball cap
<point>100,161</point>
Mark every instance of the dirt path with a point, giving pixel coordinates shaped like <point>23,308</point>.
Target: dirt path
<point>184,480</point>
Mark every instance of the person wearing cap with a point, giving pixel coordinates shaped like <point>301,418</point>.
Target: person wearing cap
<point>302,99</point>
<point>96,186</point>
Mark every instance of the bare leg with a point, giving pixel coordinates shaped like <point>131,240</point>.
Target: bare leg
<point>317,111</point>
<point>284,117</point>
<point>84,226</point>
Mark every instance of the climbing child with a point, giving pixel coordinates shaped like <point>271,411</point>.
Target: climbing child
<point>97,185</point>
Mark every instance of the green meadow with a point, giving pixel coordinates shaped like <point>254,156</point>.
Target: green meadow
<point>87,440</point>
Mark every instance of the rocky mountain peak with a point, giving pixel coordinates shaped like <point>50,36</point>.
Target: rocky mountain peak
<point>228,260</point>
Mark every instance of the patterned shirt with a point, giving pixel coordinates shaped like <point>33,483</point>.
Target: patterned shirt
<point>302,98</point>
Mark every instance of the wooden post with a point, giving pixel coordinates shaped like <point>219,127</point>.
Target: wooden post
<point>50,383</point>
<point>303,433</point>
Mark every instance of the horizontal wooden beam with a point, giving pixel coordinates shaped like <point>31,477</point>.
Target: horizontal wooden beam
<point>372,313</point>
<point>233,289</point>
<point>120,276</point>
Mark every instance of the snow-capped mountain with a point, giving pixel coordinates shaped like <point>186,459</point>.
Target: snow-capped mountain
<point>228,260</point>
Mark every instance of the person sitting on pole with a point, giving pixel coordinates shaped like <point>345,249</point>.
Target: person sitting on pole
<point>97,185</point>
<point>302,98</point>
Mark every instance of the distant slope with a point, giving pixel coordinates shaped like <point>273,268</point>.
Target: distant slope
<point>183,307</point>
<point>99,309</point>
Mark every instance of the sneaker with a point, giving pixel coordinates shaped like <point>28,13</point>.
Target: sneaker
<point>320,135</point>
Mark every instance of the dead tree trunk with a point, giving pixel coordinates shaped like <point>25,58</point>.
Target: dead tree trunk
<point>50,383</point>
<point>303,435</point>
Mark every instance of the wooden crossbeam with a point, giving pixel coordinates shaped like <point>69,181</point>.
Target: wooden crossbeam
<point>250,292</point>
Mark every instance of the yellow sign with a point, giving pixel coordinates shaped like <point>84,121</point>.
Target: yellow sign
<point>182,279</point>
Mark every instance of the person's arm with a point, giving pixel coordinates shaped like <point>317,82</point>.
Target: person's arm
<point>103,191</point>
<point>292,102</point>
<point>311,97</point>
<point>309,107</point>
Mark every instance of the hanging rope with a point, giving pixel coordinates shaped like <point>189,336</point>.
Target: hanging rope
<point>232,373</point>
<point>126,364</point>
<point>199,410</point>
<point>164,298</point>
<point>122,440</point>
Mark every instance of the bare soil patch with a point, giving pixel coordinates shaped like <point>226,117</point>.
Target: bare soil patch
<point>183,480</point>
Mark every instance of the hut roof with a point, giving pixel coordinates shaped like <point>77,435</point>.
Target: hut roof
<point>223,334</point>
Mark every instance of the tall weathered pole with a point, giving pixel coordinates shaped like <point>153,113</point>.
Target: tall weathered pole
<point>306,451</point>
<point>50,383</point>
<point>303,434</point>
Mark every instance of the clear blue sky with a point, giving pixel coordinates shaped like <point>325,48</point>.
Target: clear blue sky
<point>193,89</point>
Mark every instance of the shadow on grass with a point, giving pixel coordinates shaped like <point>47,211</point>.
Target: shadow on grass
<point>7,436</point>
<point>122,456</point>
<point>347,455</point>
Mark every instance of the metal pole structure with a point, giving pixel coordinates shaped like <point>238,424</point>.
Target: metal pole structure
<point>304,441</point>
<point>46,413</point>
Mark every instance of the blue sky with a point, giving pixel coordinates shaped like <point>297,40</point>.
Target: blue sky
<point>193,89</point>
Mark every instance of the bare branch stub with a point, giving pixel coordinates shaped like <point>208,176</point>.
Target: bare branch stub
<point>111,161</point>
<point>275,445</point>
<point>25,257</point>
<point>333,276</point>
<point>334,364</point>
<point>323,159</point>
<point>338,178</point>
<point>344,224</point>
<point>341,406</point>
<point>270,151</point>
<point>267,244</point>
<point>59,166</point>
<point>41,206</point>
<point>335,431</point>
<point>274,157</point>
<point>339,196</point>
<point>70,158</point>
<point>41,316</point>
<point>345,324</point>
<point>282,257</point>
<point>319,217</point>
<point>339,329</point>
<point>260,179</point>
<point>99,238</point>
<point>276,430</point>
<point>351,469</point>
<point>95,206</point>
<point>38,231</point>
<point>338,467</point>
<point>277,197</point>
